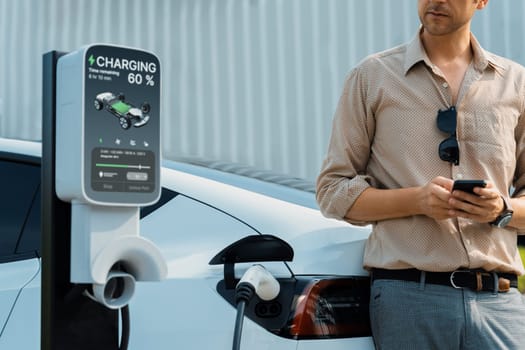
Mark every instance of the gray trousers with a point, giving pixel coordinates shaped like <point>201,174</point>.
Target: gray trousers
<point>412,315</point>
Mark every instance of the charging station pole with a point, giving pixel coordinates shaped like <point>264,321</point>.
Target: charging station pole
<point>69,320</point>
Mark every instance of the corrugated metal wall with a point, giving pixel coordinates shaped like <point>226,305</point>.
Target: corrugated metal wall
<point>248,81</point>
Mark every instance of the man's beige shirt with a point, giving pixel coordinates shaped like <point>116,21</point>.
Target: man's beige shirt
<point>385,135</point>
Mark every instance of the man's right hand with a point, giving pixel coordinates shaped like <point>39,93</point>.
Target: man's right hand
<point>434,198</point>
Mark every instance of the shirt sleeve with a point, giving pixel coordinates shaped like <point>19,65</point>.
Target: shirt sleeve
<point>343,176</point>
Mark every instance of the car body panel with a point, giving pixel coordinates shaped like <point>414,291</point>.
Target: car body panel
<point>187,255</point>
<point>327,246</point>
<point>336,344</point>
<point>212,328</point>
<point>20,147</point>
<point>297,191</point>
<point>23,329</point>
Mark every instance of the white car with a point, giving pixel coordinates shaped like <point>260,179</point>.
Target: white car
<point>324,292</point>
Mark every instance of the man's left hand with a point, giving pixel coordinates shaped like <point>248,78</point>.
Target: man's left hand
<point>483,206</point>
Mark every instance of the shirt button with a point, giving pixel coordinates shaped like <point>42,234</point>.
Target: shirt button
<point>467,241</point>
<point>445,85</point>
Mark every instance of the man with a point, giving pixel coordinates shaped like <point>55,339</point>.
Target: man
<point>410,121</point>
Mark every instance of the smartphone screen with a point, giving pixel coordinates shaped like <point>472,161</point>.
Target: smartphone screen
<point>468,185</point>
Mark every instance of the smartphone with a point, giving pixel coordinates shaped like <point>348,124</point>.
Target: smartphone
<point>468,185</point>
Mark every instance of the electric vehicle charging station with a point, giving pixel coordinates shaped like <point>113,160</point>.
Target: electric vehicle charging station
<point>106,145</point>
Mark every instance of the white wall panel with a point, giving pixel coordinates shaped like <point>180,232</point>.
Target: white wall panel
<point>248,81</point>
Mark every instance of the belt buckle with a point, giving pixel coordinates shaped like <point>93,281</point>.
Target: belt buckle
<point>452,278</point>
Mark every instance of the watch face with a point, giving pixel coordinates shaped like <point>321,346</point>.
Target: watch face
<point>503,220</point>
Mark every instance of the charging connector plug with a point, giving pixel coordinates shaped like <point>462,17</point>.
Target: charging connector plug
<point>263,283</point>
<point>256,280</point>
<point>244,292</point>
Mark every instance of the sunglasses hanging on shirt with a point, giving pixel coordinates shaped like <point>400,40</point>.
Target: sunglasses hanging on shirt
<point>448,148</point>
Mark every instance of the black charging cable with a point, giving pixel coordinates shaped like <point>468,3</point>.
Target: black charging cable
<point>124,337</point>
<point>243,294</point>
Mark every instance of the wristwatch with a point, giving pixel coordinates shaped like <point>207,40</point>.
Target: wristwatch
<point>505,216</point>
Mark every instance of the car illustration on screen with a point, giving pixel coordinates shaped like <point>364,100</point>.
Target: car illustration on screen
<point>127,114</point>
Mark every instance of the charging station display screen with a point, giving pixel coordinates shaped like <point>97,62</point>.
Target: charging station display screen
<point>122,170</point>
<point>122,126</point>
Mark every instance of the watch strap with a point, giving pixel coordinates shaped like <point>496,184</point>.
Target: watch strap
<point>506,214</point>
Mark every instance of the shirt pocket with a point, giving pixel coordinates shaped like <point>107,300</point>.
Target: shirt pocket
<point>494,127</point>
<point>489,135</point>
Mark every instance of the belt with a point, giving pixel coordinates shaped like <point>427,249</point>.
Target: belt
<point>478,280</point>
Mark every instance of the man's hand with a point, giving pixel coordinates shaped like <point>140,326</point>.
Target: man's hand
<point>483,206</point>
<point>434,199</point>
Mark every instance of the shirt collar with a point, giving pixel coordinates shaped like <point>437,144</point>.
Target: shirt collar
<point>416,53</point>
